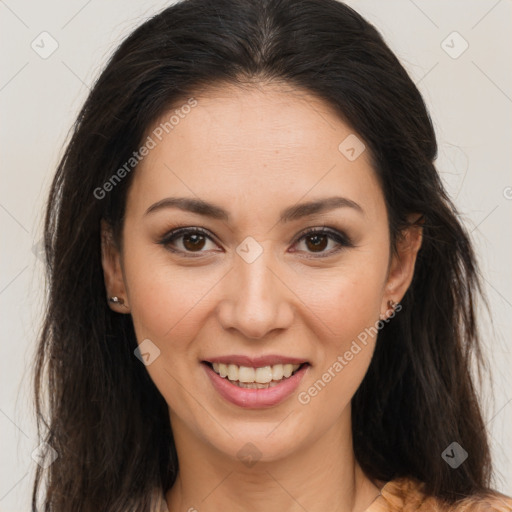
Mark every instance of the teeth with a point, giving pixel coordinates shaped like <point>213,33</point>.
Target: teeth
<point>287,369</point>
<point>262,375</point>
<point>277,372</point>
<point>247,375</point>
<point>255,385</point>
<point>232,372</point>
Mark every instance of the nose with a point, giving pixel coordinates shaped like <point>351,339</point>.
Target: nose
<point>256,299</point>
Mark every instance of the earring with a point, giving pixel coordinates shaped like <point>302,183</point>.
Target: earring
<point>116,300</point>
<point>392,305</point>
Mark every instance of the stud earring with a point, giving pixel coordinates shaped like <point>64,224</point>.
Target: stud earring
<point>116,300</point>
<point>392,305</point>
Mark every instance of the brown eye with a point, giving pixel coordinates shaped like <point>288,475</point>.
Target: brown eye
<point>193,242</point>
<point>187,241</point>
<point>316,240</point>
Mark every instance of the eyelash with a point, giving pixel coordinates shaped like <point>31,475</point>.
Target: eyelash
<point>339,237</point>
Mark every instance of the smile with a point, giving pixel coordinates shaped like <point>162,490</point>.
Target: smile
<point>255,386</point>
<point>255,378</point>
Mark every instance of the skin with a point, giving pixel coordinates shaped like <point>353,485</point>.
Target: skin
<point>254,152</point>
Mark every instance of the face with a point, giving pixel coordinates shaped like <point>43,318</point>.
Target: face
<point>288,264</point>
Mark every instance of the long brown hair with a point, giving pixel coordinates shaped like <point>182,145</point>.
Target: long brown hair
<point>104,416</point>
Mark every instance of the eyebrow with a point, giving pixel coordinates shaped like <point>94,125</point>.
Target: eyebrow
<point>289,214</point>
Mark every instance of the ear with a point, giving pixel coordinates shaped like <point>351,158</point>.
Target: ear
<point>401,267</point>
<point>112,270</point>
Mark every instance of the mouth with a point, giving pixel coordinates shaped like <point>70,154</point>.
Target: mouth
<point>262,377</point>
<point>255,382</point>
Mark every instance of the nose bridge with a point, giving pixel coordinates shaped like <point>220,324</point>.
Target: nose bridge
<point>258,302</point>
<point>254,267</point>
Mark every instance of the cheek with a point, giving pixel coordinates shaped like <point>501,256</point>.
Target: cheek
<point>345,300</point>
<point>166,299</point>
<point>346,305</point>
<point>343,355</point>
<point>168,306</point>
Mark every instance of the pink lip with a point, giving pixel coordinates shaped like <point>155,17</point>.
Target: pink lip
<point>255,398</point>
<point>256,362</point>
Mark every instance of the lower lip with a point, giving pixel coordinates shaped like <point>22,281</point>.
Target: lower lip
<point>255,398</point>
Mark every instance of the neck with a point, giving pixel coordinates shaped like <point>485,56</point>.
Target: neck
<point>323,475</point>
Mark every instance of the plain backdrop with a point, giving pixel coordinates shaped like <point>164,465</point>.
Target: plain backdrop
<point>457,51</point>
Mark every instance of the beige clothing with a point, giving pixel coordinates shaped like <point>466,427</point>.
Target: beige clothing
<point>406,495</point>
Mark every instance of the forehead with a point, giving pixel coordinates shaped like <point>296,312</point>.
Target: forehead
<point>230,122</point>
<point>269,143</point>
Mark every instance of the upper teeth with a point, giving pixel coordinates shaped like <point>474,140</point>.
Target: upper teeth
<point>261,375</point>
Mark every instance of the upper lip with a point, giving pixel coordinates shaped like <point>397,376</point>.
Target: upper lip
<point>256,362</point>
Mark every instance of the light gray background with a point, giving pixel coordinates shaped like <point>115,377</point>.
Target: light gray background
<point>469,98</point>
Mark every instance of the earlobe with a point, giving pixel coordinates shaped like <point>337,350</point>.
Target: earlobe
<point>392,307</point>
<point>112,271</point>
<point>403,261</point>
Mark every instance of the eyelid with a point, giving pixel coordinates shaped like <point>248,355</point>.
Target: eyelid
<point>177,232</point>
<point>333,232</point>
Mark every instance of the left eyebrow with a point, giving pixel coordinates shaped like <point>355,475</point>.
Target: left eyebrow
<point>319,206</point>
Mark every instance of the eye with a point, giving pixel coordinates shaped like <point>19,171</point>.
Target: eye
<point>316,240</point>
<point>186,240</point>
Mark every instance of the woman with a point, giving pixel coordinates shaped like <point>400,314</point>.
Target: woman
<point>260,296</point>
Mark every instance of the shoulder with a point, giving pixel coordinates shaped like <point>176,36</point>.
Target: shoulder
<point>407,494</point>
